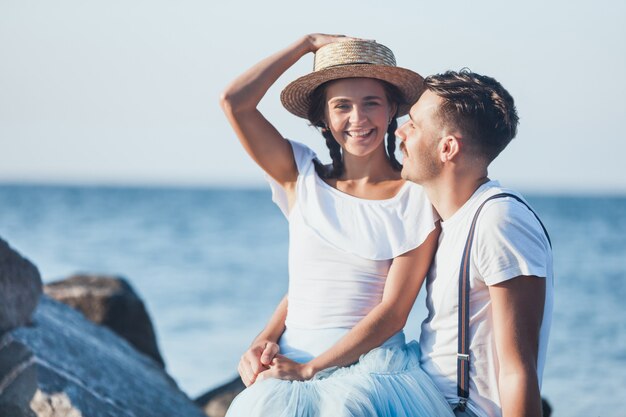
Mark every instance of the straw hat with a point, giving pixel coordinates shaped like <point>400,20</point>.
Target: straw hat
<point>349,59</point>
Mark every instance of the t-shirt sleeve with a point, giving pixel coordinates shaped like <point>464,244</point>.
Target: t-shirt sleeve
<point>303,156</point>
<point>509,242</point>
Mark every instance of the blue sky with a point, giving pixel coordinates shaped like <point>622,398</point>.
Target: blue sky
<point>126,92</point>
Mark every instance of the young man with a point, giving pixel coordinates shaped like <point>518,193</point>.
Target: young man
<point>456,129</point>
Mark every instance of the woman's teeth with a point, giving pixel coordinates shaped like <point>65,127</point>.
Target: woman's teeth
<point>359,133</point>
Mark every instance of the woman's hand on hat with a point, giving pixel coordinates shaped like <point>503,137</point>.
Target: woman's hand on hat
<point>317,40</point>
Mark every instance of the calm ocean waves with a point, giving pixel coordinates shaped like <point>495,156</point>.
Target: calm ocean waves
<point>211,265</point>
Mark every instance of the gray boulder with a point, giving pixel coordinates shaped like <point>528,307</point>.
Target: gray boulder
<point>546,408</point>
<point>215,403</point>
<point>65,365</point>
<point>18,378</point>
<point>20,288</point>
<point>111,302</point>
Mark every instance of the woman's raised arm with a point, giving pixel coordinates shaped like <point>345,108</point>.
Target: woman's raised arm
<point>240,99</point>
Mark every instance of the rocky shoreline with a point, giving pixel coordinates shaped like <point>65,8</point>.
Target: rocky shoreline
<point>84,346</point>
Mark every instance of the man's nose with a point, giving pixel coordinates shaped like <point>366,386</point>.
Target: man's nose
<point>400,133</point>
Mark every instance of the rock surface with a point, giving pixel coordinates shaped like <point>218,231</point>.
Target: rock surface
<point>215,403</point>
<point>20,288</point>
<point>111,302</point>
<point>65,365</point>
<point>546,408</point>
<point>18,378</point>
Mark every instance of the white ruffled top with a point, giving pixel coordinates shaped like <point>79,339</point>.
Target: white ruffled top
<point>341,246</point>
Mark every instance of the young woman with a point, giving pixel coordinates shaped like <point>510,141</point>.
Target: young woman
<point>361,239</point>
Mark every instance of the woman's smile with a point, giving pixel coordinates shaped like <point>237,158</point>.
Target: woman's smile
<point>360,134</point>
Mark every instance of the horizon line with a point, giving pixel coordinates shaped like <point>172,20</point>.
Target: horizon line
<point>262,185</point>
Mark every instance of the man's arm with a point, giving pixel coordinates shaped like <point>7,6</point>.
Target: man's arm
<point>517,308</point>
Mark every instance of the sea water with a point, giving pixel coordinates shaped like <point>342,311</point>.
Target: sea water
<point>211,265</point>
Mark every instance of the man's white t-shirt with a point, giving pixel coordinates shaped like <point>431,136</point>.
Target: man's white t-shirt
<point>508,242</point>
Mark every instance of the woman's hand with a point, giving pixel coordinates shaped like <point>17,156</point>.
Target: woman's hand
<point>317,40</point>
<point>256,359</point>
<point>284,368</point>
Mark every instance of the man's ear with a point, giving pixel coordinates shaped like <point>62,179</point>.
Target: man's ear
<point>449,149</point>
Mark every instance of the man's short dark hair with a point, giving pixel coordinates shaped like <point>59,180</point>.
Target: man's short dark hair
<point>479,107</point>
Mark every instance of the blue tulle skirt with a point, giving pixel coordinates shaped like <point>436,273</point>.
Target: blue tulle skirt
<point>386,381</point>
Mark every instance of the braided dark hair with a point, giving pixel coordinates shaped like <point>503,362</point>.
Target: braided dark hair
<point>316,114</point>
<point>391,144</point>
<point>336,169</point>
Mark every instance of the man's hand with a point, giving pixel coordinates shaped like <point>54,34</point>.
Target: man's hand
<point>256,359</point>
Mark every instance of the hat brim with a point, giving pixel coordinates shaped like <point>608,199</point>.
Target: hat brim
<point>296,97</point>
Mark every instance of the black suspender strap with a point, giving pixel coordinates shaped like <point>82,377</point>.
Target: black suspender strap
<point>463,353</point>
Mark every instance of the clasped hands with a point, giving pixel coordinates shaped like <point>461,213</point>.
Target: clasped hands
<point>262,361</point>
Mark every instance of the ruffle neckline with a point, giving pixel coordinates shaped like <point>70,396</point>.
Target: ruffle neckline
<point>371,229</point>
